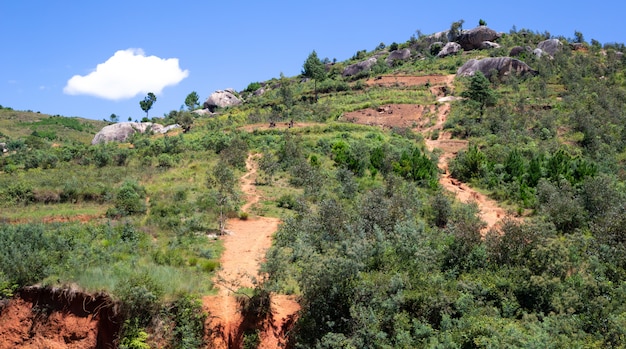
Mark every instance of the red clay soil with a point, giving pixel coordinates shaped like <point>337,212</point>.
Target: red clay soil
<point>410,80</point>
<point>426,120</point>
<point>244,249</point>
<point>58,319</point>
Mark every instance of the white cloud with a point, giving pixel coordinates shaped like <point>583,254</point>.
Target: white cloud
<point>126,74</point>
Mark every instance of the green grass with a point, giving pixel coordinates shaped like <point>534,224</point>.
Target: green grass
<point>173,280</point>
<point>37,212</point>
<point>20,124</point>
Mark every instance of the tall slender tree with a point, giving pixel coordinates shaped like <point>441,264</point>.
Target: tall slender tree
<point>147,102</point>
<point>192,100</point>
<point>314,68</point>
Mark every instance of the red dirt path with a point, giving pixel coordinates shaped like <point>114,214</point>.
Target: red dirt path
<point>426,120</point>
<point>245,246</point>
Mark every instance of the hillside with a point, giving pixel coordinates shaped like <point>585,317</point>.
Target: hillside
<point>382,201</point>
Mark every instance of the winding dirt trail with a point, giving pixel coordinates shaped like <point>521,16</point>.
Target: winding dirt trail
<point>428,120</point>
<point>245,246</point>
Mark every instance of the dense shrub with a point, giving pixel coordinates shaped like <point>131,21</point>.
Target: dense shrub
<point>129,200</point>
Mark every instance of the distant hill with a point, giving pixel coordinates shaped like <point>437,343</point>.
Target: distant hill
<point>56,129</point>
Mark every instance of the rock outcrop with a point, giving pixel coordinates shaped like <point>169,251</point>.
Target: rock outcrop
<point>121,131</point>
<point>202,112</point>
<point>488,45</point>
<point>474,38</point>
<point>550,46</point>
<point>356,68</point>
<point>221,99</point>
<point>3,148</point>
<point>437,37</point>
<point>501,65</point>
<point>398,55</point>
<point>449,49</point>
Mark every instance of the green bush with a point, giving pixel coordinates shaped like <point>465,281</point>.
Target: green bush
<point>253,86</point>
<point>210,265</point>
<point>26,254</point>
<point>129,199</point>
<point>165,161</point>
<point>133,336</point>
<point>286,201</point>
<point>189,318</point>
<point>140,297</point>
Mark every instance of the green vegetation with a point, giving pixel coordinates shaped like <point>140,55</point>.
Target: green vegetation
<point>147,102</point>
<point>379,254</point>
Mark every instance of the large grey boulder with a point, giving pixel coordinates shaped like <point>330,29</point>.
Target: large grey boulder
<point>398,55</point>
<point>450,48</point>
<point>473,39</point>
<point>550,46</point>
<point>539,53</point>
<point>356,68</point>
<point>501,65</point>
<point>437,37</point>
<point>202,112</point>
<point>3,148</point>
<point>488,45</point>
<point>221,99</point>
<point>121,131</point>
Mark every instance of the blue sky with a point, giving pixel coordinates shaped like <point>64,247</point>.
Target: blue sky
<point>64,57</point>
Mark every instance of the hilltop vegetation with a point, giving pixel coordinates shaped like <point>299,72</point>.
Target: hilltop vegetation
<point>379,254</point>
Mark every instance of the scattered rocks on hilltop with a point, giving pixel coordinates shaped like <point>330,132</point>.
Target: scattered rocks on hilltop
<point>398,55</point>
<point>356,68</point>
<point>474,38</point>
<point>449,49</point>
<point>437,37</point>
<point>221,99</point>
<point>121,131</point>
<point>489,45</point>
<point>501,65</point>
<point>550,46</point>
<point>202,112</point>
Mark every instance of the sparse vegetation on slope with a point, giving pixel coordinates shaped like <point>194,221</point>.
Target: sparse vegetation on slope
<point>377,252</point>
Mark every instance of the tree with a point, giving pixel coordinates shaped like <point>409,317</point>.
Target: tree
<point>192,100</point>
<point>114,118</point>
<point>482,22</point>
<point>222,180</point>
<point>314,68</point>
<point>147,102</point>
<point>480,92</point>
<point>286,94</point>
<point>456,28</point>
<point>578,37</point>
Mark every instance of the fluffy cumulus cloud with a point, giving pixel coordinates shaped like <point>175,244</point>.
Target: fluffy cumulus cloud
<point>127,74</point>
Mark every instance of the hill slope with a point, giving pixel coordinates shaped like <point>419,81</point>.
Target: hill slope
<point>357,168</point>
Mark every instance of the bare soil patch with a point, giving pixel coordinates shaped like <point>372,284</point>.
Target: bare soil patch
<point>410,80</point>
<point>57,319</point>
<point>420,118</point>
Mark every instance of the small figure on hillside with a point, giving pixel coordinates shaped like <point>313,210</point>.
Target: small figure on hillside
<point>272,124</point>
<point>291,123</point>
